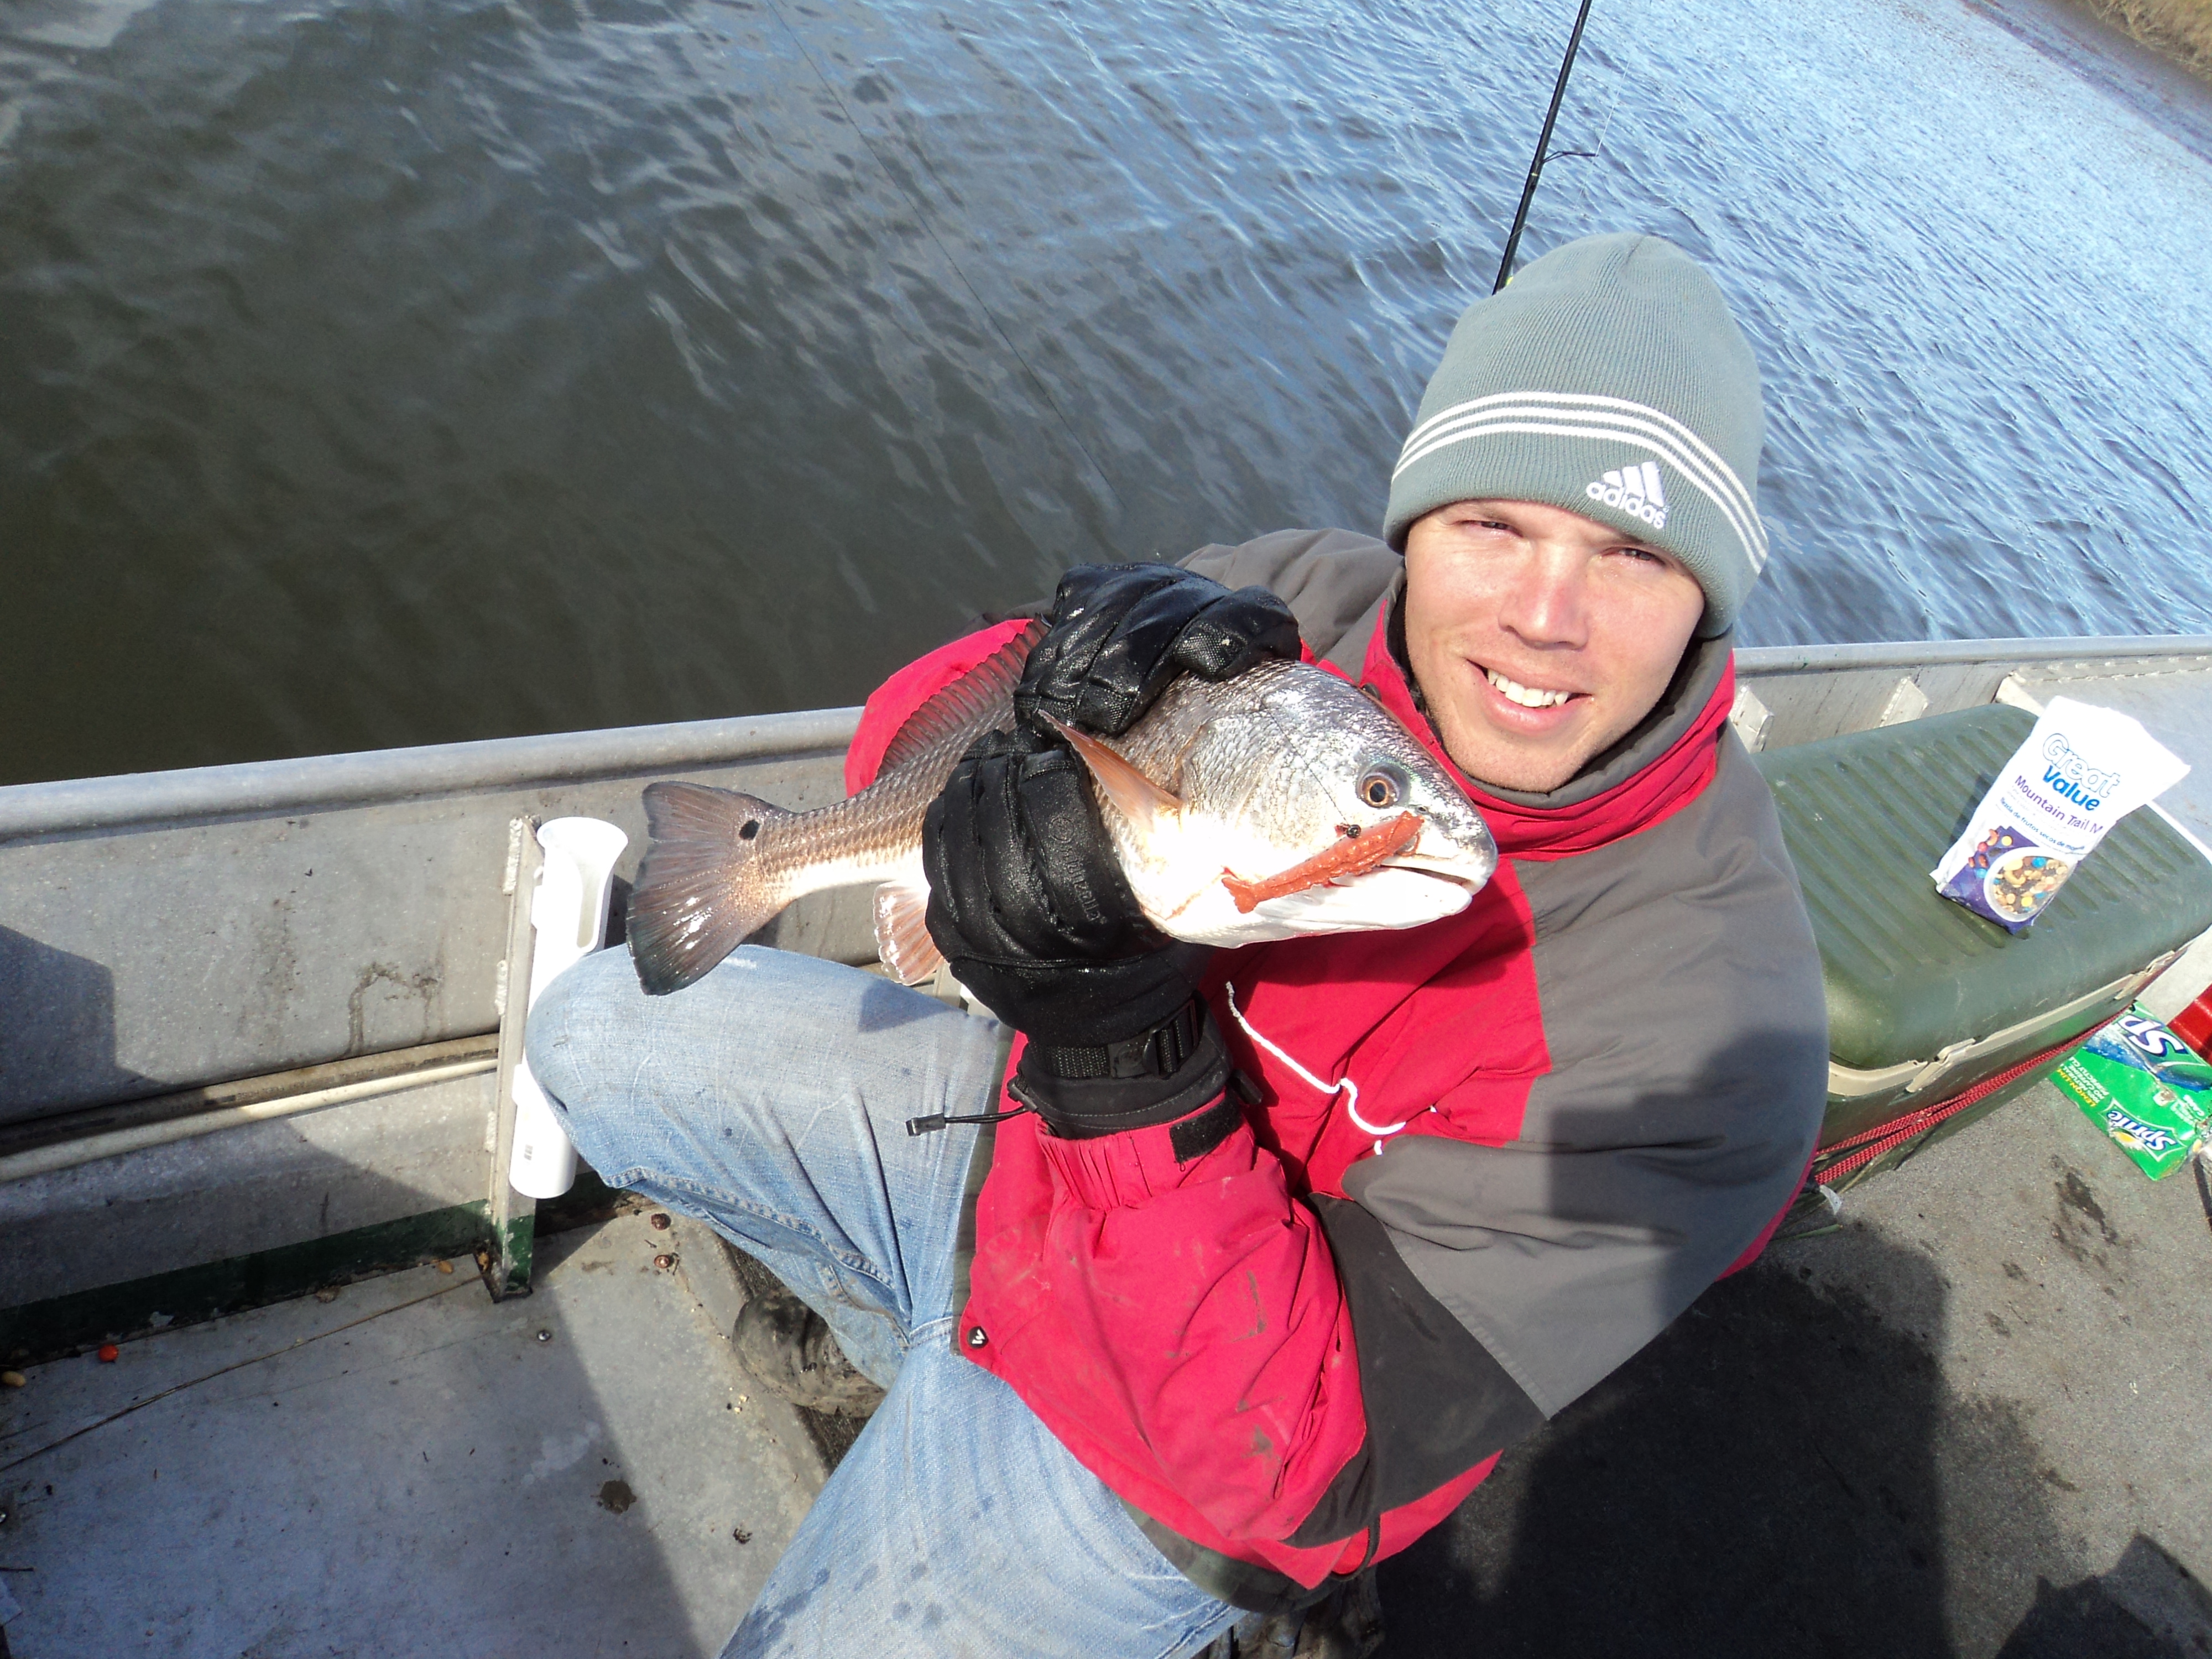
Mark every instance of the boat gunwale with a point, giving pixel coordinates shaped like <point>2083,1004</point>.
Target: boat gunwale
<point>367,777</point>
<point>1761,661</point>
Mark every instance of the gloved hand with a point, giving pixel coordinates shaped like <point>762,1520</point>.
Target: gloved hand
<point>1027,899</point>
<point>1120,632</point>
<point>1030,905</point>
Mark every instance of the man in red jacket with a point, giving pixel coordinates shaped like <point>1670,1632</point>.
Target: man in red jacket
<point>1274,1250</point>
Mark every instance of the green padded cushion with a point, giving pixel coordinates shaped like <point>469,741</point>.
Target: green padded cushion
<point>1866,817</point>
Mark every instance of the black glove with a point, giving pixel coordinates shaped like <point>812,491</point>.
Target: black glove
<point>1120,632</point>
<point>1030,905</point>
<point>1027,900</point>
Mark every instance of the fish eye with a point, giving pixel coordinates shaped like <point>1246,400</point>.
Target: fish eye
<point>1383,785</point>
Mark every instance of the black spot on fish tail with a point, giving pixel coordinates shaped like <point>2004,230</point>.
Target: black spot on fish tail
<point>701,892</point>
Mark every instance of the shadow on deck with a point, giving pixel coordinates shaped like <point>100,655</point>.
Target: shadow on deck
<point>1969,1423</point>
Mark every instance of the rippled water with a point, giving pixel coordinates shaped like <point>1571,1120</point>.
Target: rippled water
<point>375,374</point>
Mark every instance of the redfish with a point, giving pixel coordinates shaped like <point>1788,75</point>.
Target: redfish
<point>1279,803</point>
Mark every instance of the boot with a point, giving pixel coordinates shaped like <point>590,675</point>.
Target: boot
<point>788,1348</point>
<point>1346,1624</point>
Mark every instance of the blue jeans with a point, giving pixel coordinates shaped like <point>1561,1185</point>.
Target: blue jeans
<point>770,1101</point>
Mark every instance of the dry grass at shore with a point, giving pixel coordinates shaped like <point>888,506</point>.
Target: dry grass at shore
<point>2182,29</point>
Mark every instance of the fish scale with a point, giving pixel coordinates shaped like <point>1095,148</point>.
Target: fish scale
<point>1254,726</point>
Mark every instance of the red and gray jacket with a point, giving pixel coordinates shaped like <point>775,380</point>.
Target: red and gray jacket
<point>1489,1159</point>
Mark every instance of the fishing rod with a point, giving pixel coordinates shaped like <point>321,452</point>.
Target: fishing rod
<point>1536,162</point>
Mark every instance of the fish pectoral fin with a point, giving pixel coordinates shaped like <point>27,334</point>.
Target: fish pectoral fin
<point>1150,809</point>
<point>903,938</point>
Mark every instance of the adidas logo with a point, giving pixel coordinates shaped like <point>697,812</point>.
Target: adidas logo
<point>1690,461</point>
<point>1633,489</point>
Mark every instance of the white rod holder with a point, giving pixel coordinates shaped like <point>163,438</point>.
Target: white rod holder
<point>568,915</point>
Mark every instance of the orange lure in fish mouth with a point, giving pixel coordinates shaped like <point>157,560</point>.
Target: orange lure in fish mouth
<point>1355,854</point>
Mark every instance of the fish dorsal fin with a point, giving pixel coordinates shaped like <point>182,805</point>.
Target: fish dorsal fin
<point>1151,810</point>
<point>903,938</point>
<point>957,714</point>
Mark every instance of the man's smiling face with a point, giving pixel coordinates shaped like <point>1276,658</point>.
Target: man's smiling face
<point>1539,637</point>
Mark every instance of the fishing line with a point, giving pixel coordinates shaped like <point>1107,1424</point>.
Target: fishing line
<point>225,1371</point>
<point>1604,133</point>
<point>930,230</point>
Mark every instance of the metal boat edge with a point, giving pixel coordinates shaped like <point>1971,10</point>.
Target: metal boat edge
<point>258,1009</point>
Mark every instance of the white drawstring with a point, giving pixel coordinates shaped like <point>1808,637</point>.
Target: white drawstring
<point>1345,1086</point>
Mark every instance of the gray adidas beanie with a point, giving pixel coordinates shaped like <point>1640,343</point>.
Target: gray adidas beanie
<point>1608,378</point>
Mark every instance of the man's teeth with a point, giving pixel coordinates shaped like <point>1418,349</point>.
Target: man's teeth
<point>1524,696</point>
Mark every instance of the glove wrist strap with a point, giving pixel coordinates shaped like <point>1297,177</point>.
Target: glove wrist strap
<point>1158,1052</point>
<point>1082,1108</point>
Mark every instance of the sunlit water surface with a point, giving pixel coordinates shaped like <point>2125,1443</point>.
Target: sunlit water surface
<point>378,374</point>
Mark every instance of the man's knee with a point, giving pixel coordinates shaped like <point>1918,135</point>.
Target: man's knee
<point>578,1025</point>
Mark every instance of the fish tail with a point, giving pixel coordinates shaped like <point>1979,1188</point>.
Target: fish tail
<point>701,890</point>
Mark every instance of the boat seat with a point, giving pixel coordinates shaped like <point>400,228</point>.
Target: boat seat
<point>1927,1001</point>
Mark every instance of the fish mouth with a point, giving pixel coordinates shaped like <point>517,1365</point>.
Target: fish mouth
<point>1473,873</point>
<point>1469,861</point>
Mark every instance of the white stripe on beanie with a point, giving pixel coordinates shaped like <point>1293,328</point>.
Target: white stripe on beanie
<point>1575,415</point>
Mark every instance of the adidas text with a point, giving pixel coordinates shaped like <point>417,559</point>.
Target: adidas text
<point>1634,489</point>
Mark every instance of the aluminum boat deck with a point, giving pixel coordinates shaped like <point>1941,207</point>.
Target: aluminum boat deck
<point>1969,1420</point>
<point>411,1468</point>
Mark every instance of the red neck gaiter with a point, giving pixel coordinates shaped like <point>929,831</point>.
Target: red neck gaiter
<point>1669,783</point>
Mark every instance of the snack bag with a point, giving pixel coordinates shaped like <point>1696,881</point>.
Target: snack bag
<point>2136,1082</point>
<point>2080,771</point>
